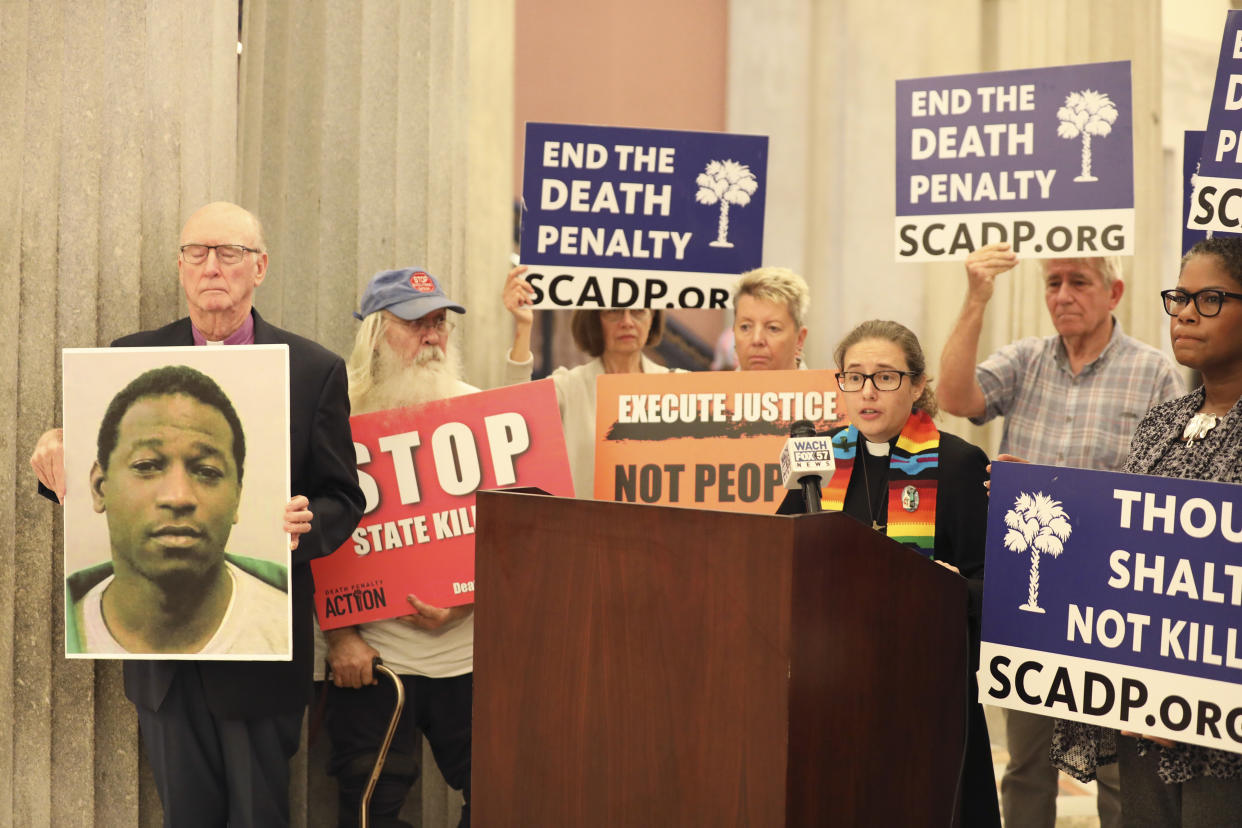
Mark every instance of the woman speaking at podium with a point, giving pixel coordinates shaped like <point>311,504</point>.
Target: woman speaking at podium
<point>897,473</point>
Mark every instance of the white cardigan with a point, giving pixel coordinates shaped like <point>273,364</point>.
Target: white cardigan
<point>575,394</point>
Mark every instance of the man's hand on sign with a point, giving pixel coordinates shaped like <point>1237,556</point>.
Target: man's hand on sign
<point>518,296</point>
<point>297,519</point>
<point>1004,458</point>
<point>48,461</point>
<point>350,658</point>
<point>984,265</point>
<point>1160,740</point>
<point>427,617</point>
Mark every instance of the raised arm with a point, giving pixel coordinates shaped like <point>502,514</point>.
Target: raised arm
<point>517,298</point>
<point>957,388</point>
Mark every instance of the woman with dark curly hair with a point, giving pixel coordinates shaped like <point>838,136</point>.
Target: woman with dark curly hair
<point>1165,784</point>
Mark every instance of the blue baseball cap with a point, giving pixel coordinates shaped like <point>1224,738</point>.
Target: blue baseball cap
<point>410,293</point>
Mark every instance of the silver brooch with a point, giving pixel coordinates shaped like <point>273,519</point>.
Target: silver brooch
<point>910,499</point>
<point>1199,426</point>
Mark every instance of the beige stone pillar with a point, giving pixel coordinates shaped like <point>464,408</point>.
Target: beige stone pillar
<point>376,135</point>
<point>119,119</point>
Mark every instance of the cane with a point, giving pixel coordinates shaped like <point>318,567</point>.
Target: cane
<point>365,805</point>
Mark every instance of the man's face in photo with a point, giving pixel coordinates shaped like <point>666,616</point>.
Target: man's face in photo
<point>170,490</point>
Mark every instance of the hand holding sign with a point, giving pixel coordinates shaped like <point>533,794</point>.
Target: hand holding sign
<point>297,519</point>
<point>48,461</point>
<point>427,617</point>
<point>518,296</point>
<point>984,265</point>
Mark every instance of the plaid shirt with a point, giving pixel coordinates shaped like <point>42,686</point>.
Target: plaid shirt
<point>1057,419</point>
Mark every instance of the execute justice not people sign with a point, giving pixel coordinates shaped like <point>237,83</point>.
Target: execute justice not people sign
<point>615,217</point>
<point>1040,158</point>
<point>420,468</point>
<point>708,440</point>
<point>1113,599</point>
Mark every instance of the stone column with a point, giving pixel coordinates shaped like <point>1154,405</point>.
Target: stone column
<point>119,120</point>
<point>376,135</point>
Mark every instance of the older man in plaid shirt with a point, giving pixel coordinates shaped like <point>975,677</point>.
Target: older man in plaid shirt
<point>1072,399</point>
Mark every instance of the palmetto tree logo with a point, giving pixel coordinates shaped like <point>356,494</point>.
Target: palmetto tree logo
<point>725,183</point>
<point>1085,114</point>
<point>1037,524</point>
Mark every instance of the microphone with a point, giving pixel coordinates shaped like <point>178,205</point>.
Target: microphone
<point>806,460</point>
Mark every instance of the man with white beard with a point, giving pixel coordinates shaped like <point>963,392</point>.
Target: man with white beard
<point>401,357</point>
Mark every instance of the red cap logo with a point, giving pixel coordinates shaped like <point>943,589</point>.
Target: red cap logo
<point>422,282</point>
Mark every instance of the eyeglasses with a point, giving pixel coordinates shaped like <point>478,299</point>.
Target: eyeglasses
<point>226,254</point>
<point>881,380</point>
<point>1207,302</point>
<point>637,314</point>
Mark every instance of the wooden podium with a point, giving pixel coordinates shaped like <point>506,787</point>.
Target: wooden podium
<point>648,666</point>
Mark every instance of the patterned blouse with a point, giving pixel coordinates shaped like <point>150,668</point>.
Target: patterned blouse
<point>1157,448</point>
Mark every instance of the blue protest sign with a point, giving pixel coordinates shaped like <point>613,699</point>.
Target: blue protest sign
<point>1215,203</point>
<point>615,217</point>
<point>1115,599</point>
<point>1040,158</point>
<point>1192,149</point>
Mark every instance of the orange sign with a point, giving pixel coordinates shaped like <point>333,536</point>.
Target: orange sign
<point>705,440</point>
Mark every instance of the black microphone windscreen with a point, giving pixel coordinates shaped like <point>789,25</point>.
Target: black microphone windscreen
<point>802,428</point>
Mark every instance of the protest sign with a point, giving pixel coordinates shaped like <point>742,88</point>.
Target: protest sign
<point>706,440</point>
<point>1192,149</point>
<point>1114,599</point>
<point>1040,158</point>
<point>177,476</point>
<point>419,468</point>
<point>1215,204</point>
<point>614,217</point>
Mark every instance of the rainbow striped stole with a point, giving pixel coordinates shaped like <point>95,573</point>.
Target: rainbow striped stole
<point>913,469</point>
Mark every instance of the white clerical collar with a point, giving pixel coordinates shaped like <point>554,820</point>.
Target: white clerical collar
<point>877,449</point>
<point>210,342</point>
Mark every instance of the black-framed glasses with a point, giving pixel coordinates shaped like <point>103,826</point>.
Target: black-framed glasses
<point>1207,301</point>
<point>882,380</point>
<point>226,254</point>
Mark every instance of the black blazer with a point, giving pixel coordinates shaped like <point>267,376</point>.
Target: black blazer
<point>322,467</point>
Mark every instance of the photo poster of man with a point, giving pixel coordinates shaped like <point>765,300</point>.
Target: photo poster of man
<point>707,440</point>
<point>177,478</point>
<point>1040,158</point>
<point>420,468</point>
<point>618,217</point>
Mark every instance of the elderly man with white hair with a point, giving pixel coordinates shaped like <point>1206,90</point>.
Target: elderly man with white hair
<point>402,356</point>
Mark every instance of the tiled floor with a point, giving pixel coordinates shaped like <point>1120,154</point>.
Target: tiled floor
<point>1075,801</point>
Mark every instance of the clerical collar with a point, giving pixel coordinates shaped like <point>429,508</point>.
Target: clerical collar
<point>242,336</point>
<point>877,449</point>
